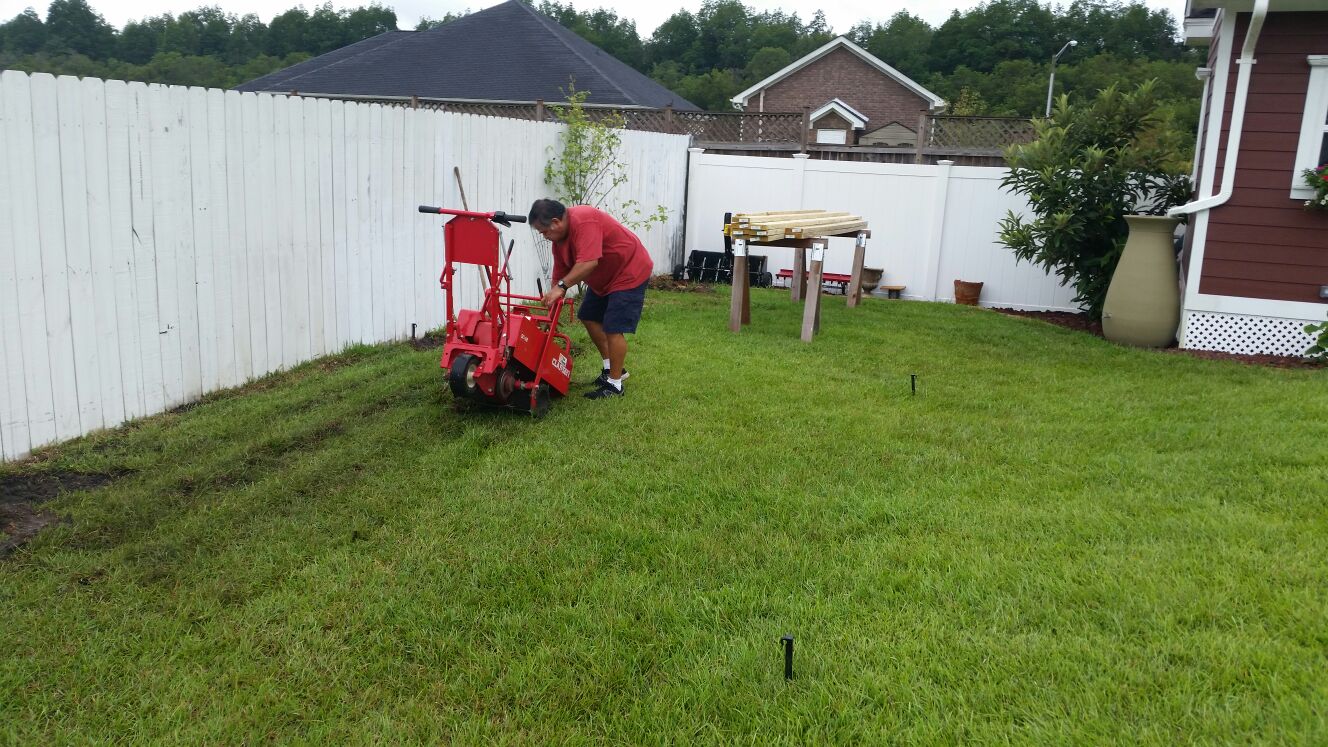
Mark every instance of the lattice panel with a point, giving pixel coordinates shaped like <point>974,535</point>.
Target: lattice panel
<point>723,127</point>
<point>720,127</point>
<point>1254,335</point>
<point>978,132</point>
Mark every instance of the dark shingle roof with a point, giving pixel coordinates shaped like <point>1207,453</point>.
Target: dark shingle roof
<point>509,52</point>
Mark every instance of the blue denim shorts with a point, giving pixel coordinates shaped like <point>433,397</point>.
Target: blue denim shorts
<point>619,311</point>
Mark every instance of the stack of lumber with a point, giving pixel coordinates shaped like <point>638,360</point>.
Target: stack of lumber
<point>792,224</point>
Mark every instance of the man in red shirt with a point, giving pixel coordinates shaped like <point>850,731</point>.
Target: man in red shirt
<point>590,245</point>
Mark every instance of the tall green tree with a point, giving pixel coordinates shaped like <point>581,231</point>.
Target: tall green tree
<point>903,42</point>
<point>992,33</point>
<point>24,33</point>
<point>288,33</point>
<point>1091,165</point>
<point>367,21</point>
<point>74,26</point>
<point>603,28</point>
<point>248,39</point>
<point>138,40</point>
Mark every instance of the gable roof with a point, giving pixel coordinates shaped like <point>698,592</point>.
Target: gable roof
<point>936,102</point>
<point>509,53</point>
<point>854,117</point>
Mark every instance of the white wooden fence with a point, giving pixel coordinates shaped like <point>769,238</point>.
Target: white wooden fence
<point>158,243</point>
<point>931,225</point>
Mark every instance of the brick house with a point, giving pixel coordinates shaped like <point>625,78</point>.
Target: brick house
<point>855,98</point>
<point>1255,266</point>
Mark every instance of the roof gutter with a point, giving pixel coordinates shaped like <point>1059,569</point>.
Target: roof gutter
<point>1245,62</point>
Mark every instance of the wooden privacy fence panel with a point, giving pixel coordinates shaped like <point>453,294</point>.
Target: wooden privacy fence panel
<point>158,243</point>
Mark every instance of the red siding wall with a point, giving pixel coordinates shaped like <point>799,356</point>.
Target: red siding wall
<point>1262,243</point>
<point>843,75</point>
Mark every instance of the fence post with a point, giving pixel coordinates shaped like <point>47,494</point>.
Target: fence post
<point>668,118</point>
<point>414,101</point>
<point>922,136</point>
<point>806,126</point>
<point>934,241</point>
<point>799,177</point>
<point>539,110</point>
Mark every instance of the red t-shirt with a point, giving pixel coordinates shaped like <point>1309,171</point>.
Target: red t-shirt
<point>594,234</point>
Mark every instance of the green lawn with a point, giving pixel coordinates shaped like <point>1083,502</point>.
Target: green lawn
<point>1055,541</point>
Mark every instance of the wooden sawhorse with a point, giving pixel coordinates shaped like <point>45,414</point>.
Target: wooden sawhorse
<point>808,291</point>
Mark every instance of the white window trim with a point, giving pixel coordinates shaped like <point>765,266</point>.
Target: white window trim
<point>1312,127</point>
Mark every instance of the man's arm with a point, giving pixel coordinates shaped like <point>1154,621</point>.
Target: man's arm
<point>580,271</point>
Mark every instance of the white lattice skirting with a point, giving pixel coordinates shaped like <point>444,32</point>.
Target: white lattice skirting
<point>1236,333</point>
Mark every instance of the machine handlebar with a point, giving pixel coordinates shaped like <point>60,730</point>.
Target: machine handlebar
<point>497,216</point>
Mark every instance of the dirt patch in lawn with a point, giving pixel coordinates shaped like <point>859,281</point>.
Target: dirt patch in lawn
<point>429,341</point>
<point>665,282</point>
<point>1082,323</point>
<point>21,497</point>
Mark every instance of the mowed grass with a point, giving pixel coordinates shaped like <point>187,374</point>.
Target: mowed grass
<point>1055,541</point>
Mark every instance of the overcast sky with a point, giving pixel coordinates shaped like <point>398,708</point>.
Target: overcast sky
<point>841,14</point>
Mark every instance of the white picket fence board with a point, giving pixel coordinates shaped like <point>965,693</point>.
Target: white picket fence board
<point>54,256</point>
<point>121,337</point>
<point>158,243</point>
<point>14,428</point>
<point>921,242</point>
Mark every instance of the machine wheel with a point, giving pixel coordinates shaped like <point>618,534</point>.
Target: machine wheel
<point>461,376</point>
<point>765,281</point>
<point>678,271</point>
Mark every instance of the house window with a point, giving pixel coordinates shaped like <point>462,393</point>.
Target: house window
<point>1313,148</point>
<point>832,137</point>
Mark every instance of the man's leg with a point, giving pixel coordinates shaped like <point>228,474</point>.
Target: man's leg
<point>598,337</point>
<point>617,345</point>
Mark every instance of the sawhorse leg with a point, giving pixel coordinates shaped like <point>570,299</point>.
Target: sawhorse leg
<point>854,292</point>
<point>798,283</point>
<point>811,313</point>
<point>740,311</point>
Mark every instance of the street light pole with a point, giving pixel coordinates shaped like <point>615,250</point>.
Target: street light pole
<point>1052,82</point>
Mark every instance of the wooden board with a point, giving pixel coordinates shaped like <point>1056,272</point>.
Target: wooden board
<point>810,221</point>
<point>737,217</point>
<point>830,230</point>
<point>792,224</point>
<point>792,218</point>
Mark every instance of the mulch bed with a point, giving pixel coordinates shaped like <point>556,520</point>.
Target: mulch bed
<point>1082,323</point>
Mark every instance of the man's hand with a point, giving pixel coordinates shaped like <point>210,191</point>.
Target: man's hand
<point>553,295</point>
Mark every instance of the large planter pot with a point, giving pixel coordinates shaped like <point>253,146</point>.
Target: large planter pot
<point>967,293</point>
<point>1142,307</point>
<point>871,277</point>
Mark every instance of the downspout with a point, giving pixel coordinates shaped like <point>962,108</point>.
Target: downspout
<point>1206,75</point>
<point>1237,117</point>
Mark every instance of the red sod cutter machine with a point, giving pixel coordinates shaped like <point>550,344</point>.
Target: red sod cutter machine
<point>509,351</point>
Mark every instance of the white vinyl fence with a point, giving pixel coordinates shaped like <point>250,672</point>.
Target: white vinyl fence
<point>158,243</point>
<point>931,225</point>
